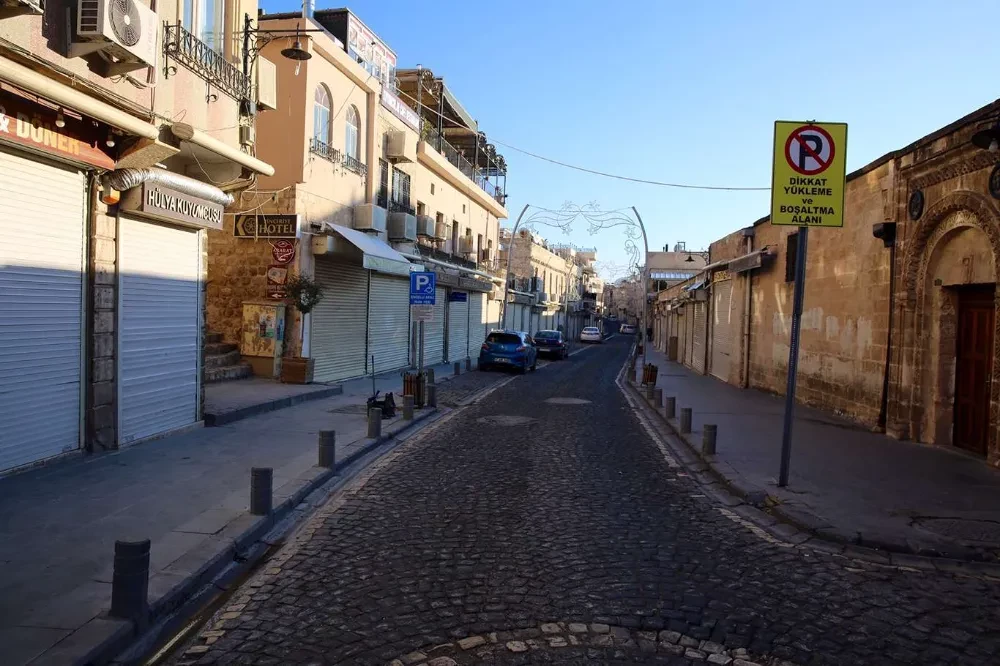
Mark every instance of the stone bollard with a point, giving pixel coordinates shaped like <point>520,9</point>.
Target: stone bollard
<point>468,364</point>
<point>130,581</point>
<point>374,422</point>
<point>657,396</point>
<point>432,395</point>
<point>261,479</point>
<point>407,407</point>
<point>708,433</point>
<point>429,373</point>
<point>670,409</point>
<point>458,368</point>
<point>327,448</point>
<point>685,420</point>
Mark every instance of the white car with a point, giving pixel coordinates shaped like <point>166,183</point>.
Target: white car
<point>591,334</point>
<point>627,329</point>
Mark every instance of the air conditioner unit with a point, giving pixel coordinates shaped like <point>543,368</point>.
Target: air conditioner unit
<point>248,135</point>
<point>125,29</point>
<point>401,146</point>
<point>465,245</point>
<point>369,217</point>
<point>542,297</point>
<point>267,84</point>
<point>402,227</point>
<point>425,226</point>
<point>23,6</point>
<point>440,231</point>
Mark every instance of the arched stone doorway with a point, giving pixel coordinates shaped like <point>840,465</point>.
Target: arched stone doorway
<point>949,366</point>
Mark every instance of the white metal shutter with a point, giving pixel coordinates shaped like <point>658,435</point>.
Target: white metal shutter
<point>722,328</point>
<point>389,322</point>
<point>339,321</point>
<point>458,330</point>
<point>158,295</point>
<point>434,330</point>
<point>42,211</point>
<point>492,315</point>
<point>700,329</point>
<point>477,322</point>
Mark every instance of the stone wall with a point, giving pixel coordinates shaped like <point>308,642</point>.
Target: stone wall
<point>102,424</point>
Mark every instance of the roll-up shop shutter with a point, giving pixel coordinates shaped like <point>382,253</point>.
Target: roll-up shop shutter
<point>458,327</point>
<point>339,321</point>
<point>700,329</point>
<point>689,334</point>
<point>159,300</point>
<point>477,322</point>
<point>42,211</point>
<point>722,328</point>
<point>493,315</point>
<point>389,322</point>
<point>434,330</point>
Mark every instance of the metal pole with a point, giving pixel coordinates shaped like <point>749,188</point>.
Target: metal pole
<point>645,259</point>
<point>793,354</point>
<point>420,346</point>
<point>506,279</point>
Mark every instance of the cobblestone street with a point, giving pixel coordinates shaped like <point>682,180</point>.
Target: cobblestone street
<point>543,525</point>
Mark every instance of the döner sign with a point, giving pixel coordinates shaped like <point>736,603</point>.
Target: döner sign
<point>168,205</point>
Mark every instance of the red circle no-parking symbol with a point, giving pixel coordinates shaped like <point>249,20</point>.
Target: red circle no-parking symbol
<point>809,150</point>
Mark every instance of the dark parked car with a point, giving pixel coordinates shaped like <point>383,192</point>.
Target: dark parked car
<point>509,349</point>
<point>552,343</point>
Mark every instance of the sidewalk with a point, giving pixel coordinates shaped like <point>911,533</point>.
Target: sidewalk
<point>187,493</point>
<point>845,483</point>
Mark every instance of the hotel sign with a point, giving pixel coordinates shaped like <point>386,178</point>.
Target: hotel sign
<point>169,205</point>
<point>266,226</point>
<point>400,109</point>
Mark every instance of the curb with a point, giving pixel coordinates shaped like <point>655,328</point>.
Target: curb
<point>132,643</point>
<point>791,526</point>
<point>223,418</point>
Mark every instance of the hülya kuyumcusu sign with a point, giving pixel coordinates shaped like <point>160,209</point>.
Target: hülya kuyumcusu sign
<point>808,174</point>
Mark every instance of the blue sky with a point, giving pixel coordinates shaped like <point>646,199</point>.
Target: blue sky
<point>688,91</point>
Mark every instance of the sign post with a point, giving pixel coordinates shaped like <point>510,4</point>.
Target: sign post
<point>423,295</point>
<point>807,190</point>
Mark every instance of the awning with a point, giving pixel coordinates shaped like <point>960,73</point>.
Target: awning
<point>377,255</point>
<point>697,285</point>
<point>749,261</point>
<point>186,132</point>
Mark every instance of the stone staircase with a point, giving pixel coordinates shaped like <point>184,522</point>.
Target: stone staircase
<point>222,361</point>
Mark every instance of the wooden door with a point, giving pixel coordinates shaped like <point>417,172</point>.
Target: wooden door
<point>974,367</point>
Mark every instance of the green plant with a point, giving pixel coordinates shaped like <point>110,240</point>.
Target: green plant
<point>303,293</point>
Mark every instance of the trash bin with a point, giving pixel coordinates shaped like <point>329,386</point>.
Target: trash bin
<point>649,372</point>
<point>413,385</point>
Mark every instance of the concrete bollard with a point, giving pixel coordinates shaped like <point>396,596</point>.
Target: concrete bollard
<point>708,434</point>
<point>670,408</point>
<point>374,422</point>
<point>408,407</point>
<point>432,395</point>
<point>327,449</point>
<point>130,581</point>
<point>657,396</point>
<point>649,393</point>
<point>261,495</point>
<point>458,368</point>
<point>685,420</point>
<point>468,364</point>
<point>429,373</point>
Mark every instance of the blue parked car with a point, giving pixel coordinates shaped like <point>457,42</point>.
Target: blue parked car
<point>508,349</point>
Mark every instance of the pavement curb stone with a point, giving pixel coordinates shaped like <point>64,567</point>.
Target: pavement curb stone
<point>240,413</point>
<point>798,526</point>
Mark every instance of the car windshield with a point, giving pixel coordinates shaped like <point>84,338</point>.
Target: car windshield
<point>547,335</point>
<point>503,338</point>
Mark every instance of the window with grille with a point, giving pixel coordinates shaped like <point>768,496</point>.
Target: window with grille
<point>401,187</point>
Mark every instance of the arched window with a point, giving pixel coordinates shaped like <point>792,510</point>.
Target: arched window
<point>352,144</point>
<point>321,115</point>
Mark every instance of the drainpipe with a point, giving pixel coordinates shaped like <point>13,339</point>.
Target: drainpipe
<point>886,232</point>
<point>747,319</point>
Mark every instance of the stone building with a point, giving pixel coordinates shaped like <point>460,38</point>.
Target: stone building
<point>546,285</point>
<point>899,317</point>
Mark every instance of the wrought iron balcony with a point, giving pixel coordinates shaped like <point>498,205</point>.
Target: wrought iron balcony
<point>204,61</point>
<point>401,207</point>
<point>324,150</point>
<point>354,164</point>
<point>459,161</point>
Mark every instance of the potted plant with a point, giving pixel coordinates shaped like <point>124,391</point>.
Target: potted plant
<point>304,294</point>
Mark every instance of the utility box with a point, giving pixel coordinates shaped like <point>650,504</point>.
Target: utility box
<point>262,337</point>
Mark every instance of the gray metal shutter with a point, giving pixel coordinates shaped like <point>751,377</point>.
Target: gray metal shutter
<point>458,330</point>
<point>493,315</point>
<point>434,330</point>
<point>42,212</point>
<point>389,322</point>
<point>700,329</point>
<point>688,333</point>
<point>477,322</point>
<point>339,321</point>
<point>722,328</point>
<point>158,291</point>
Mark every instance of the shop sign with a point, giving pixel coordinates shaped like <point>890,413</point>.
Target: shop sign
<point>283,251</point>
<point>33,126</point>
<point>400,109</point>
<point>458,297</point>
<point>168,205</point>
<point>277,278</point>
<point>266,226</point>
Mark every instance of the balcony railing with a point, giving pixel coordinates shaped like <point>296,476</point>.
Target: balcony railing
<point>382,199</point>
<point>324,150</point>
<point>460,162</point>
<point>354,164</point>
<point>401,207</point>
<point>441,255</point>
<point>204,61</point>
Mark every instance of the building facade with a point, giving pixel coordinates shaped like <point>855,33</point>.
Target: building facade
<point>103,329</point>
<point>362,196</point>
<point>899,318</point>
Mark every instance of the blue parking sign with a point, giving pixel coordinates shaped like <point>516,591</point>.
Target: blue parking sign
<point>423,286</point>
